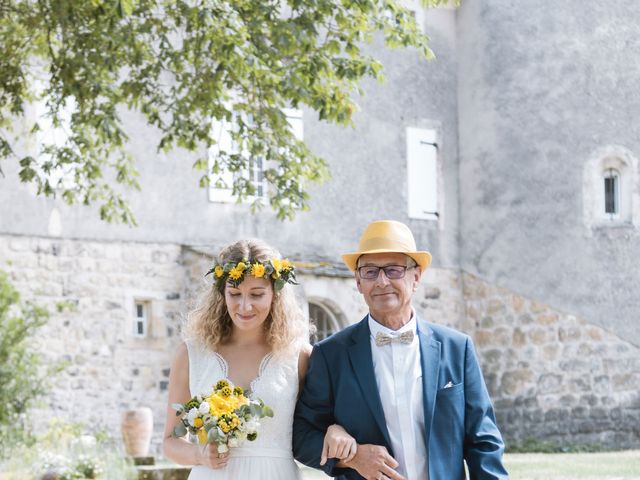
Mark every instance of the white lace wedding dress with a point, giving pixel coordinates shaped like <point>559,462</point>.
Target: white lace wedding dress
<point>269,457</point>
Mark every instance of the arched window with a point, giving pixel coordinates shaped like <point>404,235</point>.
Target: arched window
<point>324,320</point>
<point>610,195</point>
<point>612,192</point>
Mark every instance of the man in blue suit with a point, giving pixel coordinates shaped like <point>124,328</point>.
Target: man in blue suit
<point>410,393</point>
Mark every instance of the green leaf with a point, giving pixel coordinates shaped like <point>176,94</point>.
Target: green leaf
<point>214,435</point>
<point>179,430</point>
<point>241,62</point>
<point>23,373</point>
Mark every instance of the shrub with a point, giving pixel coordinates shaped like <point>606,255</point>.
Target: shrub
<point>65,451</point>
<point>22,372</point>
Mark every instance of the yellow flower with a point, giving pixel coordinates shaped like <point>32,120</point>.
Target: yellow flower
<point>221,384</point>
<point>235,421</point>
<point>257,270</point>
<point>241,266</point>
<point>219,405</point>
<point>226,391</point>
<point>239,391</point>
<point>202,436</point>
<point>277,266</point>
<point>224,426</point>
<point>218,271</point>
<point>235,273</point>
<point>286,265</point>
<point>198,422</point>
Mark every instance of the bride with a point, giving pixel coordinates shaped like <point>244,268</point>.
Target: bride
<point>248,329</point>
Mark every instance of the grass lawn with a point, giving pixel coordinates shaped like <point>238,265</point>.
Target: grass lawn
<point>573,466</point>
<point>623,465</point>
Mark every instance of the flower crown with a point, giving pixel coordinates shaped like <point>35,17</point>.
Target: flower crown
<point>280,271</point>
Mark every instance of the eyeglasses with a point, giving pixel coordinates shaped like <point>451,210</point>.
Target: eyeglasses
<point>393,272</point>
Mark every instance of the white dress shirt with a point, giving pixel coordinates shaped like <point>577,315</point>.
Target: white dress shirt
<point>399,379</point>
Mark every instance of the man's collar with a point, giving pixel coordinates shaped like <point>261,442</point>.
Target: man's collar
<point>375,326</point>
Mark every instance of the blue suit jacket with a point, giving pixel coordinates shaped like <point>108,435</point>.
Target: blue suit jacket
<point>340,387</point>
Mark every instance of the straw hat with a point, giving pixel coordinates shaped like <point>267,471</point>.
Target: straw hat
<point>387,236</point>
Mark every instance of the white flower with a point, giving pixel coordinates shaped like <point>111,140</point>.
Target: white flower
<point>192,415</point>
<point>252,425</point>
<point>222,448</point>
<point>233,442</point>
<point>204,408</point>
<point>84,442</point>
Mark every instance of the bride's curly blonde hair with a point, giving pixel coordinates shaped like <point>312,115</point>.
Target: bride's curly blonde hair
<point>210,323</point>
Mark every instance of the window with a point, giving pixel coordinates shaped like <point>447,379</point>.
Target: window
<point>324,320</point>
<point>609,196</point>
<point>221,187</point>
<point>52,137</point>
<point>256,175</point>
<point>422,174</point>
<point>612,192</point>
<point>141,318</point>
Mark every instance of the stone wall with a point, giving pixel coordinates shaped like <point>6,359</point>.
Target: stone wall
<point>532,118</point>
<point>551,375</point>
<point>554,376</point>
<point>108,369</point>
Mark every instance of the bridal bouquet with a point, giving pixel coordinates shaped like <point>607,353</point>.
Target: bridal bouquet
<point>226,416</point>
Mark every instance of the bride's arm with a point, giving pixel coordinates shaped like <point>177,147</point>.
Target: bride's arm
<point>303,365</point>
<point>338,444</point>
<point>179,449</point>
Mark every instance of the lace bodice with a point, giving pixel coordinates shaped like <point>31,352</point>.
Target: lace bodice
<point>276,384</point>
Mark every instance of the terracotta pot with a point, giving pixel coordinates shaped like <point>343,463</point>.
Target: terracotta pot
<point>137,427</point>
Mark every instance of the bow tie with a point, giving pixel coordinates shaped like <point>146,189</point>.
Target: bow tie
<point>384,339</point>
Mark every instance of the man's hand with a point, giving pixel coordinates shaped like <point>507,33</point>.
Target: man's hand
<point>373,462</point>
<point>338,444</point>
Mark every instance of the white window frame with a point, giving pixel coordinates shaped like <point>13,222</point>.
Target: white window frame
<point>142,321</point>
<point>222,132</point>
<point>596,169</point>
<point>423,174</point>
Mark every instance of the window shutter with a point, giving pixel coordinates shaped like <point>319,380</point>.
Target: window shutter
<point>294,117</point>
<point>422,173</point>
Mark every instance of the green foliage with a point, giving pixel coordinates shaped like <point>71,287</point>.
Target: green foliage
<point>67,306</point>
<point>22,378</point>
<point>23,375</point>
<point>534,445</point>
<point>66,452</point>
<point>180,65</point>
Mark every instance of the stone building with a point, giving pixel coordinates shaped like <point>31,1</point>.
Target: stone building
<point>513,158</point>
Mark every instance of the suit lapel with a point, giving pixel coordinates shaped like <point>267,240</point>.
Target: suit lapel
<point>430,362</point>
<point>362,364</point>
